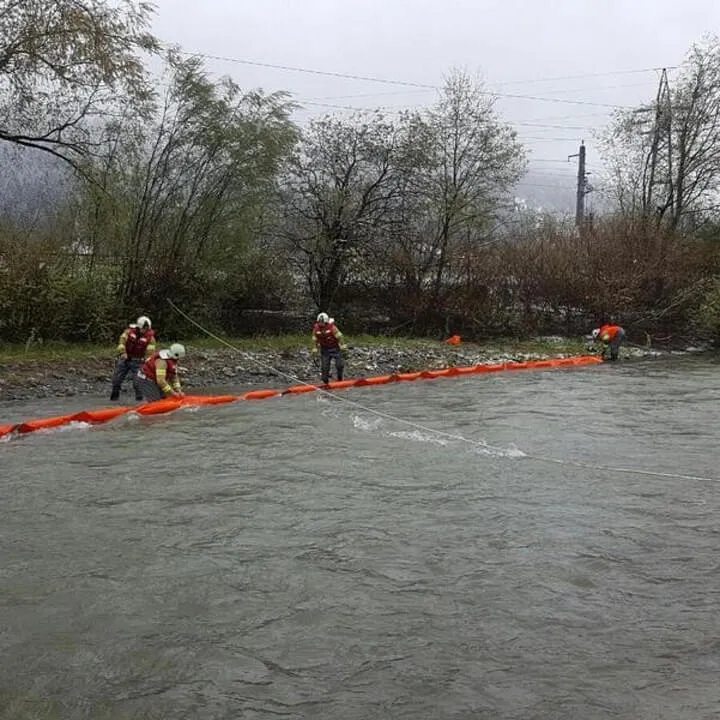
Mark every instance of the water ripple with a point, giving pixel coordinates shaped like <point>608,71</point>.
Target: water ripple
<point>305,559</point>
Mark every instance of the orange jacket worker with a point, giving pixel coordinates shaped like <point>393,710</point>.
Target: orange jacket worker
<point>329,342</point>
<point>611,338</point>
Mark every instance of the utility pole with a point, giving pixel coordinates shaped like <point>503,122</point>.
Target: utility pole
<point>661,144</point>
<point>582,185</point>
<point>655,123</point>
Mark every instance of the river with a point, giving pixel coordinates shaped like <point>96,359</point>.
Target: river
<point>521,545</point>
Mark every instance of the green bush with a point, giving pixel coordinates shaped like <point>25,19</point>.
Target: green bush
<point>50,305</point>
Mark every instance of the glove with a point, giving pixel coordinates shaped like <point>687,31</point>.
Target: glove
<point>344,350</point>
<point>315,350</point>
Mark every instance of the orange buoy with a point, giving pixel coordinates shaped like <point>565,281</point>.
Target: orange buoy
<point>44,423</point>
<point>432,374</point>
<point>209,399</point>
<point>378,380</point>
<point>159,406</point>
<point>170,404</point>
<point>341,384</point>
<point>297,389</point>
<point>408,376</point>
<point>464,370</point>
<point>260,394</point>
<point>517,366</point>
<point>100,416</point>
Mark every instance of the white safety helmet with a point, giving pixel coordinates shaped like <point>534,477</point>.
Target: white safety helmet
<point>143,322</point>
<point>595,333</point>
<point>176,351</point>
<point>323,318</point>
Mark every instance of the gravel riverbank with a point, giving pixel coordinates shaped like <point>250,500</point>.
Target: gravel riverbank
<point>203,369</point>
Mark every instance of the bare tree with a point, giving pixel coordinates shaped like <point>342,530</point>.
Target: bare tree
<point>63,64</point>
<point>665,156</point>
<point>340,190</point>
<point>471,162</point>
<point>478,161</point>
<point>376,201</point>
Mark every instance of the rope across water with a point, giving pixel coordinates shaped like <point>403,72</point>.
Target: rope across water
<point>479,445</point>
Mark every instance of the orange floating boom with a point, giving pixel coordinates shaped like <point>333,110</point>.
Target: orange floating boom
<point>103,415</point>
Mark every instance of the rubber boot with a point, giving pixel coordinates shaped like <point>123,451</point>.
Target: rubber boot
<point>115,394</point>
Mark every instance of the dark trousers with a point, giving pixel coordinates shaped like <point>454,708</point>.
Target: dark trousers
<point>123,368</point>
<point>149,389</point>
<point>326,357</point>
<point>614,346</point>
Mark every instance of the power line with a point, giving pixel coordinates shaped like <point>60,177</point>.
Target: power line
<point>428,90</point>
<point>405,83</point>
<point>392,109</point>
<point>574,116</point>
<point>547,139</point>
<point>597,88</point>
<point>366,78</point>
<point>538,126</point>
<point>609,73</point>
<point>563,176</point>
<point>548,160</point>
<point>522,184</point>
<point>552,127</point>
<point>310,71</point>
<point>521,124</point>
<point>386,108</point>
<point>363,95</point>
<point>532,122</point>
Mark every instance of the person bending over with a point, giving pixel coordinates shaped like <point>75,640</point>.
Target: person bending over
<point>158,377</point>
<point>610,337</point>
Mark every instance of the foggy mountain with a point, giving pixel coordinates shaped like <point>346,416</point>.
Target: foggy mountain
<point>34,184</point>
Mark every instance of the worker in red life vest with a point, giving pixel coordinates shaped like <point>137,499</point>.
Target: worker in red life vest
<point>158,377</point>
<point>135,345</point>
<point>610,337</point>
<point>328,341</point>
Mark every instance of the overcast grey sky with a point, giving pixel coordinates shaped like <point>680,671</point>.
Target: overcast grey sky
<point>520,47</point>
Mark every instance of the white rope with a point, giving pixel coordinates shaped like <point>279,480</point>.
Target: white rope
<point>441,433</point>
<point>359,406</point>
<point>633,471</point>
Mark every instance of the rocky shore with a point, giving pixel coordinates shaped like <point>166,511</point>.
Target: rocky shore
<point>236,371</point>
